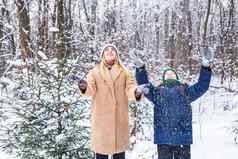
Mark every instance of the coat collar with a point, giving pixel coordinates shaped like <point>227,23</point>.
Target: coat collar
<point>109,78</point>
<point>109,81</point>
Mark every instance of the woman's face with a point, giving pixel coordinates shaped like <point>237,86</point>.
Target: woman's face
<point>170,75</point>
<point>110,55</point>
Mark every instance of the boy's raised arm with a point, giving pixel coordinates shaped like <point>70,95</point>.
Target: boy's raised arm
<point>199,88</point>
<point>143,81</point>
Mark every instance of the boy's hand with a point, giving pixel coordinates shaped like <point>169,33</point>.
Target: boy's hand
<point>139,63</point>
<point>207,56</point>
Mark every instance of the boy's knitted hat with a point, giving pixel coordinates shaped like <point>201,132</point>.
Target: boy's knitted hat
<point>169,69</point>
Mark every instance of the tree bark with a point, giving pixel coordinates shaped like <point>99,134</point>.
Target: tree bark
<point>172,47</point>
<point>9,21</point>
<point>61,34</point>
<point>204,39</point>
<point>24,28</point>
<point>1,28</point>
<point>43,26</point>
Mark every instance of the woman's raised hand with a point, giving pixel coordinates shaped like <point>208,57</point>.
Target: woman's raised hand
<point>82,85</point>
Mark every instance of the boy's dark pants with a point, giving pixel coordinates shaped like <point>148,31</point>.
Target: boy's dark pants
<point>115,156</point>
<point>174,151</point>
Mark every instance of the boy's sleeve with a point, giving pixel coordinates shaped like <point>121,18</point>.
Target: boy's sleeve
<point>142,76</point>
<point>142,79</point>
<point>198,89</point>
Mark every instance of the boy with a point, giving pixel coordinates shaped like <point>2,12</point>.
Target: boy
<point>172,107</point>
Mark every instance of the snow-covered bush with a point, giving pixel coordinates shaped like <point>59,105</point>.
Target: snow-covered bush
<point>47,118</point>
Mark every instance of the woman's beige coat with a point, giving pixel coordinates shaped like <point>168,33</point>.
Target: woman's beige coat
<point>110,95</point>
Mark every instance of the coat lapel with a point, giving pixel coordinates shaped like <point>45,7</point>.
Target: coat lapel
<point>112,77</point>
<point>118,72</point>
<point>110,80</point>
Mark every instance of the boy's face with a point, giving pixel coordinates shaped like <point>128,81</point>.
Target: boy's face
<point>170,75</point>
<point>110,55</point>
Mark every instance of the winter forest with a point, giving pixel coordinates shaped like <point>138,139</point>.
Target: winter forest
<point>46,46</point>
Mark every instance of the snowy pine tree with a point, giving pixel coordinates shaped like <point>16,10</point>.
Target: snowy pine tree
<point>50,119</point>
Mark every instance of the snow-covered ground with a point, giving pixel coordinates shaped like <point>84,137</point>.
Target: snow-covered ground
<point>5,156</point>
<point>213,141</point>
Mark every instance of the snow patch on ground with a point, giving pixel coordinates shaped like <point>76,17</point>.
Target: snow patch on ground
<point>212,139</point>
<point>5,156</point>
<point>215,140</point>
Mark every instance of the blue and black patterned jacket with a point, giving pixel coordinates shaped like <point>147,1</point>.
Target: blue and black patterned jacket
<point>172,107</point>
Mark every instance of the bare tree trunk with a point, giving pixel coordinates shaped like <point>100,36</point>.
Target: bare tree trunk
<point>54,18</point>
<point>61,33</point>
<point>234,39</point>
<point>1,27</point>
<point>222,49</point>
<point>24,28</point>
<point>40,30</point>
<point>172,47</point>
<point>204,39</point>
<point>9,21</point>
<point>188,45</point>
<point>93,18</point>
<point>198,23</point>
<point>227,48</point>
<point>231,42</point>
<point>190,41</point>
<point>69,26</point>
<point>2,60</point>
<point>43,26</point>
<point>166,31</point>
<point>85,10</point>
<point>157,35</point>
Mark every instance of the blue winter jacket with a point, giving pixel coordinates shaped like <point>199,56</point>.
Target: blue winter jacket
<point>172,107</point>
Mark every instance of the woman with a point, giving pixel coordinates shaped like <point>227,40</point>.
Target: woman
<point>111,86</point>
